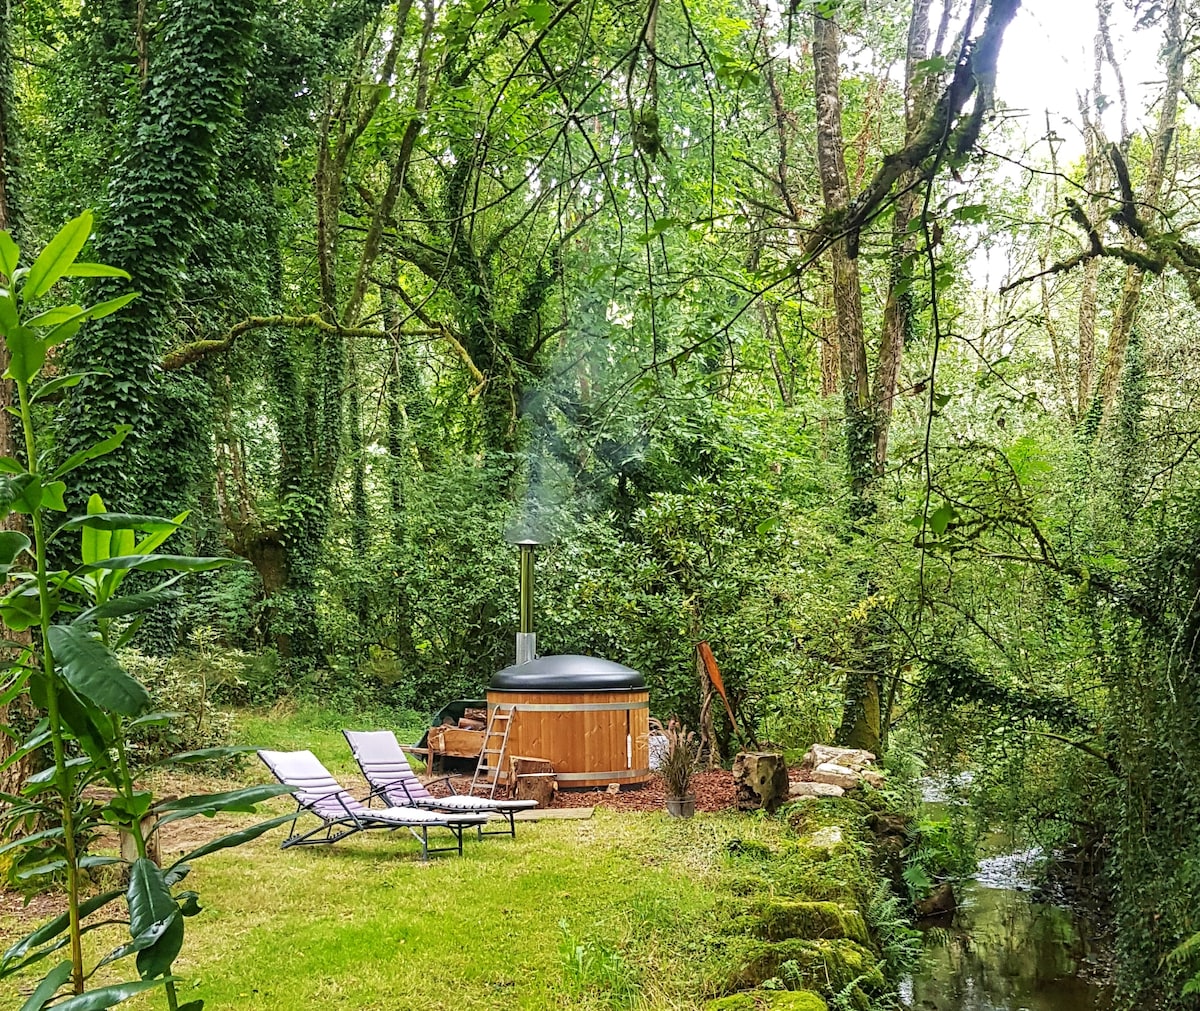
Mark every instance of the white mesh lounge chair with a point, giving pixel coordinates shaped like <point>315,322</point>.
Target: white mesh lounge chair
<point>392,780</point>
<point>318,793</point>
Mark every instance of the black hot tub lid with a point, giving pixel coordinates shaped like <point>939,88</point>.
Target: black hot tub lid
<point>567,673</point>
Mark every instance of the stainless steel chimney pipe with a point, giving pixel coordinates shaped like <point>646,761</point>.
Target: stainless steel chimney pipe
<point>526,636</point>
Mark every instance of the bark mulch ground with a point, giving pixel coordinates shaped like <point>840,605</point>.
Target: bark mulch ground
<point>713,790</point>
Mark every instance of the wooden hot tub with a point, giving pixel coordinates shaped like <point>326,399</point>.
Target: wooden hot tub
<point>588,717</point>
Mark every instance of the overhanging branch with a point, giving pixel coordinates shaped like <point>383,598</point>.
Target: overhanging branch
<point>199,350</point>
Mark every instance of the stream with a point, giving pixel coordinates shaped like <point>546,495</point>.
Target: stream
<point>1006,949</point>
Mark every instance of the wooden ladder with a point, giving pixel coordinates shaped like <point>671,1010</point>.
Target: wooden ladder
<point>487,772</point>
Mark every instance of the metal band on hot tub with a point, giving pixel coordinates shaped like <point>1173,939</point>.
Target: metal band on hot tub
<point>572,777</point>
<point>581,707</point>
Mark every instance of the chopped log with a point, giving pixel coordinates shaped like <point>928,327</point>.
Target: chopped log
<point>539,786</point>
<point>761,780</point>
<point>525,765</point>
<point>454,742</point>
<point>475,713</point>
<point>465,724</point>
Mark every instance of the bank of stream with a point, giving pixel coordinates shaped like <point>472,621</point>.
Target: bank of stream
<point>1009,947</point>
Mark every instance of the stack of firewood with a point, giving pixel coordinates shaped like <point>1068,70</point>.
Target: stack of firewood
<point>473,719</point>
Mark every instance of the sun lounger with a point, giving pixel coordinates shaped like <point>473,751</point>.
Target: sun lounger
<point>318,793</point>
<point>392,780</point>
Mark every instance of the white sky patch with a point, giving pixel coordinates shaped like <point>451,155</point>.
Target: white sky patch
<point>1047,60</point>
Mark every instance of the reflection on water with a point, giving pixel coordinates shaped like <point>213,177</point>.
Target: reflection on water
<point>1001,951</point>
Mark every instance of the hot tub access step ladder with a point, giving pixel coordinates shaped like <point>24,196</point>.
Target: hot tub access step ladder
<point>487,771</point>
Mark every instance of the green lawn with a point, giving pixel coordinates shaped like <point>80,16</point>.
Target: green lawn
<point>616,911</point>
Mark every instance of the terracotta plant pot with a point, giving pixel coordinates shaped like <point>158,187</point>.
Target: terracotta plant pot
<point>681,807</point>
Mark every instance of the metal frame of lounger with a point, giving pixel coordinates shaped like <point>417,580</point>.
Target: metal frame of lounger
<point>361,820</point>
<point>404,775</point>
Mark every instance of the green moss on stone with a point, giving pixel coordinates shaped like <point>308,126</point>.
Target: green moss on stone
<point>769,1000</point>
<point>782,919</point>
<point>827,966</point>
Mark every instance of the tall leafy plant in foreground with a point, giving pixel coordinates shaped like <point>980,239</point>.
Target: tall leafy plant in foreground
<point>87,703</point>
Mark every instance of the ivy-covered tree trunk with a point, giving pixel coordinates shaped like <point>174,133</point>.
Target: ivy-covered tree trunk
<point>160,191</point>
<point>10,434</point>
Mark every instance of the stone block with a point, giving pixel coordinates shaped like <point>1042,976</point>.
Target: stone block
<point>837,775</point>
<point>851,758</point>
<point>815,790</point>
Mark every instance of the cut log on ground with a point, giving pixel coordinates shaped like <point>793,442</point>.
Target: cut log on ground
<point>761,780</point>
<point>539,786</point>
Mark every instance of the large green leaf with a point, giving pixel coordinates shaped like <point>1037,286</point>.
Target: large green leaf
<point>117,521</point>
<point>12,543</point>
<point>96,539</point>
<point>101,448</point>
<point>148,896</point>
<point>12,489</point>
<point>93,671</point>
<point>156,719</point>
<point>161,563</point>
<point>57,256</point>
<point>48,987</point>
<point>84,269</point>
<point>52,928</point>
<point>21,607</point>
<point>52,386</point>
<point>30,840</point>
<point>108,996</point>
<point>27,353</point>
<point>52,317</point>
<point>129,604</point>
<point>156,959</point>
<point>31,744</point>
<point>202,755</point>
<point>209,804</point>
<point>16,685</point>
<point>153,539</point>
<point>234,839</point>
<point>10,255</point>
<point>93,734</point>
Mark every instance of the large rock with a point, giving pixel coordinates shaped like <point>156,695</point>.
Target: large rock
<point>796,790</point>
<point>761,780</point>
<point>836,775</point>
<point>941,901</point>
<point>851,758</point>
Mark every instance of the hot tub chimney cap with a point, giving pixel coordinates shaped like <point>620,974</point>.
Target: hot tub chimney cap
<point>568,673</point>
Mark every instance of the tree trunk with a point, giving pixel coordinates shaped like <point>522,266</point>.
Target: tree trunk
<point>1118,339</point>
<point>897,312</point>
<point>847,292</point>
<point>11,443</point>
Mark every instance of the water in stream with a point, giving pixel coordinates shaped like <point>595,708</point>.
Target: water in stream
<point>1004,950</point>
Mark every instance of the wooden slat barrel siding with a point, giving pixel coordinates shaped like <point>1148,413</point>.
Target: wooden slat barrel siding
<point>591,738</point>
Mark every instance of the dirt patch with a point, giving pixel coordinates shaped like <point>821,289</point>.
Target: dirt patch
<point>37,909</point>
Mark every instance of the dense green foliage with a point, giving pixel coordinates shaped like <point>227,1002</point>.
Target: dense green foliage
<point>417,279</point>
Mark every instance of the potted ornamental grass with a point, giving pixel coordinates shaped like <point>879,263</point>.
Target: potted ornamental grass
<point>679,762</point>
